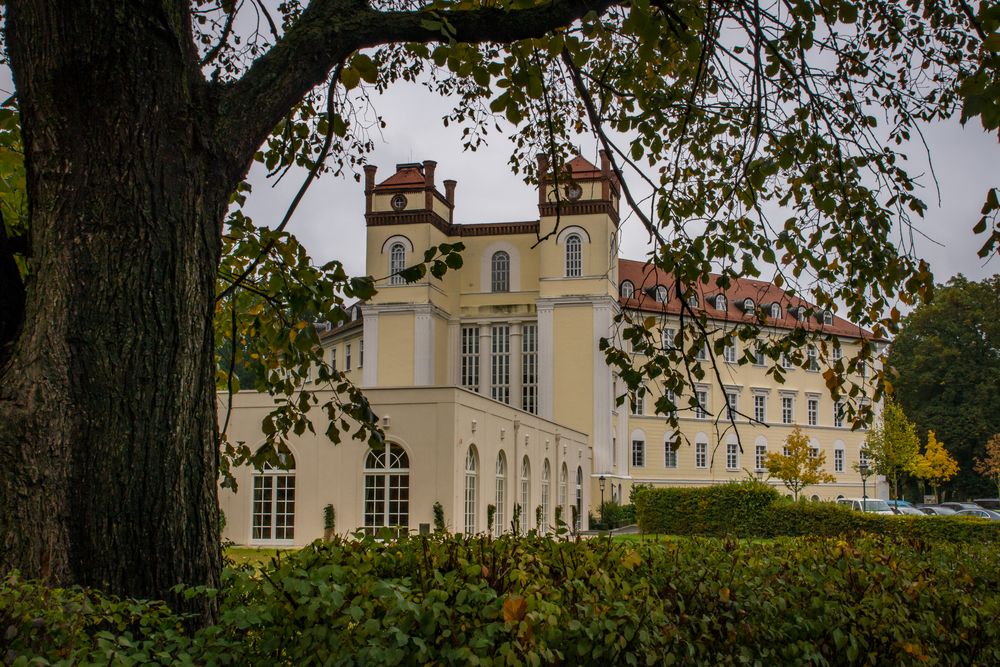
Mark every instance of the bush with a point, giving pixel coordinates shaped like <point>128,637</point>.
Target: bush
<point>752,509</point>
<point>613,515</point>
<point>534,600</point>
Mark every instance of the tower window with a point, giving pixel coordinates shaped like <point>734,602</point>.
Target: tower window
<point>397,262</point>
<point>574,256</point>
<point>500,272</point>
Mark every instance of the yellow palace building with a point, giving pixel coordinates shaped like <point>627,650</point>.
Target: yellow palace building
<point>492,390</point>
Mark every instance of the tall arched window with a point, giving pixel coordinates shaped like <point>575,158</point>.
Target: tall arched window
<point>500,272</point>
<point>501,495</point>
<point>579,498</point>
<point>775,311</point>
<point>471,472</point>
<point>574,256</point>
<point>720,302</point>
<point>397,262</point>
<point>525,494</point>
<point>274,502</point>
<point>387,489</point>
<point>564,489</point>
<point>546,475</point>
<point>660,294</point>
<point>626,290</point>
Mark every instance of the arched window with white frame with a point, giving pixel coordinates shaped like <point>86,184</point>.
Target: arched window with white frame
<point>827,318</point>
<point>397,262</point>
<point>626,290</point>
<point>500,272</point>
<point>720,302</point>
<point>501,492</point>
<point>564,489</point>
<point>579,498</point>
<point>660,294</point>
<point>274,502</point>
<point>525,494</point>
<point>748,306</point>
<point>471,475</point>
<point>574,256</point>
<point>775,311</point>
<point>546,476</point>
<point>387,489</point>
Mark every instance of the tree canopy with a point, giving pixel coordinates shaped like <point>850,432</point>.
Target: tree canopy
<point>141,120</point>
<point>892,444</point>
<point>945,372</point>
<point>935,465</point>
<point>798,465</point>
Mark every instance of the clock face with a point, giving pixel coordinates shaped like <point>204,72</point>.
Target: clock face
<point>399,202</point>
<point>574,192</point>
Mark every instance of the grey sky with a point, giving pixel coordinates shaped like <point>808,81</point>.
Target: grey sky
<point>330,220</point>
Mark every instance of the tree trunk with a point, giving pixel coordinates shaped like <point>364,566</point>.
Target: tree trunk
<point>107,405</point>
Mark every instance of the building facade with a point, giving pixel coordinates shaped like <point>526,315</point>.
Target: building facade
<point>493,390</point>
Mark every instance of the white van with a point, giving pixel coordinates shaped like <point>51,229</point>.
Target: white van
<point>873,505</point>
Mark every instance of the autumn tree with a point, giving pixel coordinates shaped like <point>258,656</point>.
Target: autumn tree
<point>935,465</point>
<point>989,466</point>
<point>141,119</point>
<point>945,371</point>
<point>892,445</point>
<point>798,465</point>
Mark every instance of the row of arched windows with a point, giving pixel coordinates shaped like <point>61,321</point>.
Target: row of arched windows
<point>500,263</point>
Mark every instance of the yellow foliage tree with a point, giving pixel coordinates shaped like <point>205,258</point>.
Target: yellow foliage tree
<point>935,466</point>
<point>990,466</point>
<point>798,467</point>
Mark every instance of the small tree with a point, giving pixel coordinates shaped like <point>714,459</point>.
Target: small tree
<point>798,467</point>
<point>990,466</point>
<point>439,526</point>
<point>936,465</point>
<point>892,445</point>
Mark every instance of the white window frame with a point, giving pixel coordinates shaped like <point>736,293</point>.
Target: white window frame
<point>760,408</point>
<point>701,410</point>
<point>720,302</point>
<point>393,474</point>
<point>660,294</point>
<point>729,353</point>
<point>500,271</point>
<point>529,367</point>
<point>812,410</point>
<point>347,357</point>
<point>732,456</point>
<point>626,290</point>
<point>526,510</point>
<point>838,460</point>
<point>397,262</point>
<point>272,504</point>
<point>574,256</point>
<point>775,311</point>
<point>471,484</point>
<point>787,409</point>
<point>469,357</point>
<point>638,453</point>
<point>670,453</point>
<point>760,456</point>
<point>500,363</point>
<point>701,455</point>
<point>546,480</point>
<point>500,495</point>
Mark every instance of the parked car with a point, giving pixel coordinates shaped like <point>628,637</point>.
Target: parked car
<point>988,503</point>
<point>904,509</point>
<point>958,507</point>
<point>981,513</point>
<point>900,503</point>
<point>873,505</point>
<point>937,510</point>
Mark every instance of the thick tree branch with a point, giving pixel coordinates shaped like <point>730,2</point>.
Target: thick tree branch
<point>330,30</point>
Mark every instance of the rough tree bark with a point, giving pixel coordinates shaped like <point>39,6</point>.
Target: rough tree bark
<point>108,456</point>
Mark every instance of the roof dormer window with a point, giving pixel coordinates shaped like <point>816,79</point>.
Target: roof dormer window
<point>720,302</point>
<point>660,294</point>
<point>748,306</point>
<point>693,300</point>
<point>827,318</point>
<point>775,311</point>
<point>626,289</point>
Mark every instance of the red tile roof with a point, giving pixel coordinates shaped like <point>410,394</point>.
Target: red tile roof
<point>646,277</point>
<point>583,168</point>
<point>404,177</point>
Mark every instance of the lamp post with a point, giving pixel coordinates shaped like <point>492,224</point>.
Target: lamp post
<point>600,483</point>
<point>864,471</point>
<point>760,474</point>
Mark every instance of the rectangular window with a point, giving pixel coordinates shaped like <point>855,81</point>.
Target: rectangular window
<point>812,411</point>
<point>787,409</point>
<point>638,453</point>
<point>838,460</point>
<point>667,339</point>
<point>813,362</point>
<point>500,364</point>
<point>838,414</point>
<point>701,455</point>
<point>732,456</point>
<point>638,402</point>
<point>470,358</point>
<point>732,403</point>
<point>703,352</point>
<point>760,457</point>
<point>361,353</point>
<point>837,354</point>
<point>729,354</point>
<point>760,408</point>
<point>347,357</point>
<point>529,368</point>
<point>786,362</point>
<point>758,356</point>
<point>701,410</point>
<point>333,359</point>
<point>669,454</point>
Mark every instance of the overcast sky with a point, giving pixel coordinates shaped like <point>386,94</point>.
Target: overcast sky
<point>330,219</point>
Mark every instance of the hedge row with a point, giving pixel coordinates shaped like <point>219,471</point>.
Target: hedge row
<point>752,509</point>
<point>448,600</point>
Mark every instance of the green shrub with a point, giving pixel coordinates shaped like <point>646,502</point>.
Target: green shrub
<point>449,600</point>
<point>752,509</point>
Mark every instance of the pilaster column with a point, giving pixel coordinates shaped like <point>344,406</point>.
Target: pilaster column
<point>515,364</point>
<point>485,341</point>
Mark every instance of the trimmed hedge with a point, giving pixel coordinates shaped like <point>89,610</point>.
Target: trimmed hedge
<point>752,509</point>
<point>535,600</point>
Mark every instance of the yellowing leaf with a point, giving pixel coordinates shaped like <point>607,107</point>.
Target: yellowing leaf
<point>514,609</point>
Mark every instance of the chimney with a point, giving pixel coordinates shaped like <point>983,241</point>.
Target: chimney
<point>605,175</point>
<point>428,182</point>
<point>543,173</point>
<point>369,186</point>
<point>449,195</point>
